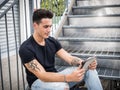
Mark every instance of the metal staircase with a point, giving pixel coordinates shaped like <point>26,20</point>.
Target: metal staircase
<point>5,7</point>
<point>93,28</point>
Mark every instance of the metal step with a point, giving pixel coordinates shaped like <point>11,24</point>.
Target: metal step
<point>111,63</point>
<point>93,20</point>
<point>96,6</point>
<point>96,2</point>
<point>90,39</point>
<point>90,27</point>
<point>97,34</point>
<point>96,10</point>
<point>78,31</point>
<point>104,73</point>
<point>107,73</point>
<point>98,54</point>
<point>109,50</point>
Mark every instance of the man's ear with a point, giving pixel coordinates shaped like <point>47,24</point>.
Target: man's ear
<point>35,25</point>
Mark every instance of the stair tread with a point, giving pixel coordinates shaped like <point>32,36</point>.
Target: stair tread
<point>107,56</point>
<point>96,2</point>
<point>110,39</point>
<point>86,52</point>
<point>94,15</point>
<point>76,26</point>
<point>102,72</point>
<point>96,6</point>
<point>108,73</point>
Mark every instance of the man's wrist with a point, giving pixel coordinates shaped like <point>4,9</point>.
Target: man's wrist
<point>67,78</point>
<point>76,61</point>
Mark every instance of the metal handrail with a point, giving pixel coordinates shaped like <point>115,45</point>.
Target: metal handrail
<point>3,3</point>
<point>3,13</point>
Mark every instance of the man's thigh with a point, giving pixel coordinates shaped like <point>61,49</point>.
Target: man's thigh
<point>40,85</point>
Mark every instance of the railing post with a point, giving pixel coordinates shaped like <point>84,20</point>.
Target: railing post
<point>8,54</point>
<point>1,74</point>
<point>16,48</point>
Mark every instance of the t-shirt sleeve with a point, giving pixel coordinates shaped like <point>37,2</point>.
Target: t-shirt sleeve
<point>57,44</point>
<point>26,54</point>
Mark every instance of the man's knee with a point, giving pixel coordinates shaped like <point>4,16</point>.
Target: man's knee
<point>51,86</point>
<point>60,86</point>
<point>91,72</point>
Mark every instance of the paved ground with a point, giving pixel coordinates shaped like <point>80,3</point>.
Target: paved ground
<point>13,73</point>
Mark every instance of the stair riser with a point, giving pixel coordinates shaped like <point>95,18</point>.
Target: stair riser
<point>93,46</point>
<point>98,32</point>
<point>94,21</point>
<point>115,64</point>
<point>96,11</point>
<point>96,2</point>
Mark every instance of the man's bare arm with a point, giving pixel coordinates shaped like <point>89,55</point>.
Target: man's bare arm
<point>37,69</point>
<point>34,66</point>
<point>72,60</point>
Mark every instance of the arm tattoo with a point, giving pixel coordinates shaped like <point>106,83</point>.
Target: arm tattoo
<point>32,65</point>
<point>75,61</point>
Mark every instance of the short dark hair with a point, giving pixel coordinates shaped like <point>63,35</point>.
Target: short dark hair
<point>40,14</point>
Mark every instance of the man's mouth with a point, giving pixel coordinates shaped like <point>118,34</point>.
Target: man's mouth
<point>47,34</point>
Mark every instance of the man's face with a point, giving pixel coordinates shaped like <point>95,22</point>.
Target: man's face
<point>43,28</point>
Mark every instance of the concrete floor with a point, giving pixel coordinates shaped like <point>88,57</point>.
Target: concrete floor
<point>14,73</point>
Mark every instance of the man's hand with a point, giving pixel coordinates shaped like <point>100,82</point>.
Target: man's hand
<point>93,65</point>
<point>76,75</point>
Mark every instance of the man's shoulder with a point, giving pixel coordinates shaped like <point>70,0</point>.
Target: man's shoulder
<point>52,39</point>
<point>54,42</point>
<point>26,44</point>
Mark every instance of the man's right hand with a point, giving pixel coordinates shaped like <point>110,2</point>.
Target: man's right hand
<point>76,75</point>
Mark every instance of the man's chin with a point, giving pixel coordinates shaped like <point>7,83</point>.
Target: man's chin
<point>46,37</point>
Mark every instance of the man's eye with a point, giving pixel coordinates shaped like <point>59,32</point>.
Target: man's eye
<point>47,26</point>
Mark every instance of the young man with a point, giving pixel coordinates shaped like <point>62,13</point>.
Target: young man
<point>38,55</point>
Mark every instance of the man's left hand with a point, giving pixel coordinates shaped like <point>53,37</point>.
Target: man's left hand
<point>93,65</point>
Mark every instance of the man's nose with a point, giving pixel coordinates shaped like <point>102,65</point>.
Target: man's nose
<point>49,29</point>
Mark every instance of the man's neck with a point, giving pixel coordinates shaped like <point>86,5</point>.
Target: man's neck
<point>39,40</point>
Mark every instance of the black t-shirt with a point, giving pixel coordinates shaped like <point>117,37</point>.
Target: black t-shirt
<point>45,55</point>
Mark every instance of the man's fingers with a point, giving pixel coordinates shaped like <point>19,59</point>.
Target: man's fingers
<point>79,67</point>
